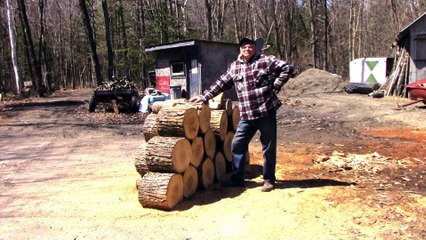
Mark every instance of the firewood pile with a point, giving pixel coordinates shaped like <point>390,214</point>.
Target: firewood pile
<point>396,82</point>
<point>188,148</point>
<point>117,84</point>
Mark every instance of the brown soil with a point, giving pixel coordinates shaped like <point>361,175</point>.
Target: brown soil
<point>69,174</point>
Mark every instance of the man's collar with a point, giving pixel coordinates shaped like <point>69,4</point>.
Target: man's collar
<point>255,57</point>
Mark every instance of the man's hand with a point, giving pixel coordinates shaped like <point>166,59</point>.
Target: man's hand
<point>196,99</point>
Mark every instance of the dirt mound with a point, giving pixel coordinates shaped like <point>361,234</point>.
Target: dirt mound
<point>314,81</point>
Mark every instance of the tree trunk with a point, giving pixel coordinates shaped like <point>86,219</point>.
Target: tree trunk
<point>28,35</point>
<point>124,37</point>
<point>190,181</point>
<point>92,44</point>
<point>208,7</point>
<point>168,154</point>
<point>107,22</point>
<point>12,38</point>
<point>161,190</point>
<point>314,40</point>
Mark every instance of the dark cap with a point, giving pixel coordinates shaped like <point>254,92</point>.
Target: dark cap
<point>245,41</point>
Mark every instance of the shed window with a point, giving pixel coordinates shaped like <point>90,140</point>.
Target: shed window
<point>178,69</point>
<point>421,49</point>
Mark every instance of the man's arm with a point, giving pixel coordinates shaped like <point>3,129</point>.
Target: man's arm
<point>223,83</point>
<point>284,70</point>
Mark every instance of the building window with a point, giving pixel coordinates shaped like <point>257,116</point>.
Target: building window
<point>177,69</point>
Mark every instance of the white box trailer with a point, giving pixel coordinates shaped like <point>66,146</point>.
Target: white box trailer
<point>370,70</point>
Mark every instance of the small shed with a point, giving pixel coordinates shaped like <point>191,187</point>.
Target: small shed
<point>412,39</point>
<point>371,70</point>
<point>410,58</point>
<point>187,68</point>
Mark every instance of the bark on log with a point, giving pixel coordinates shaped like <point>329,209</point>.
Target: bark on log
<point>219,123</point>
<point>220,167</point>
<point>150,127</point>
<point>206,173</point>
<point>157,106</point>
<point>168,154</point>
<point>235,117</point>
<point>140,161</point>
<point>209,143</point>
<point>227,146</point>
<point>161,190</point>
<point>190,181</point>
<point>197,147</point>
<point>178,122</point>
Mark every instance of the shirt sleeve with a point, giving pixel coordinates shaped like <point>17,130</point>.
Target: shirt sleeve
<point>283,70</point>
<point>223,83</point>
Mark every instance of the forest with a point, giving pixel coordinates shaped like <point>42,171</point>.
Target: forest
<point>68,44</point>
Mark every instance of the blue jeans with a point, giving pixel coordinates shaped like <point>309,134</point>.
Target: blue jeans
<point>268,137</point>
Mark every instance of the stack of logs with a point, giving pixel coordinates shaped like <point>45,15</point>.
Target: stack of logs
<point>188,147</point>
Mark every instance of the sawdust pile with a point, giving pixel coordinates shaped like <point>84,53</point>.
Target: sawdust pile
<point>371,163</point>
<point>313,81</point>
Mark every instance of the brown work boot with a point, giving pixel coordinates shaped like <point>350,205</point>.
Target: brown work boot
<point>267,187</point>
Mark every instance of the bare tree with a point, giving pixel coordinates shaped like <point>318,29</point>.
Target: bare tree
<point>108,39</point>
<point>92,44</point>
<point>12,38</point>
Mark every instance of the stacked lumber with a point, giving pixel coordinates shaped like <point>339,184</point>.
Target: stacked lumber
<point>396,82</point>
<point>188,148</point>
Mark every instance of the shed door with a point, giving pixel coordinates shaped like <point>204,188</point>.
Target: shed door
<point>420,60</point>
<point>195,79</point>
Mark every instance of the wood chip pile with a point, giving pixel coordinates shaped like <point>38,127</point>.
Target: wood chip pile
<point>188,148</point>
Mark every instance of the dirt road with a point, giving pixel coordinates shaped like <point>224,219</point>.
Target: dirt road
<point>349,167</point>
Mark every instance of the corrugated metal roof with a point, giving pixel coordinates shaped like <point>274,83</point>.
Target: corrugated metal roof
<point>185,43</point>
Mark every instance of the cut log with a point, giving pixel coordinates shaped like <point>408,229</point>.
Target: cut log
<point>210,143</point>
<point>157,106</point>
<point>141,166</point>
<point>204,114</point>
<point>216,102</point>
<point>228,106</point>
<point>219,166</point>
<point>227,146</point>
<point>161,190</point>
<point>140,160</point>
<point>206,173</point>
<point>235,117</point>
<point>150,127</point>
<point>197,147</point>
<point>168,154</point>
<point>190,181</point>
<point>178,122</point>
<point>219,123</point>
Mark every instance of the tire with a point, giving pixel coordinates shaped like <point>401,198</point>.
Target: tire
<point>92,103</point>
<point>134,104</point>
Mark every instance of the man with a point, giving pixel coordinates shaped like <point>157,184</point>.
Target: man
<point>256,78</point>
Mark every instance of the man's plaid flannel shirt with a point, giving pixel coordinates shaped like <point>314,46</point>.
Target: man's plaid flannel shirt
<point>256,84</point>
